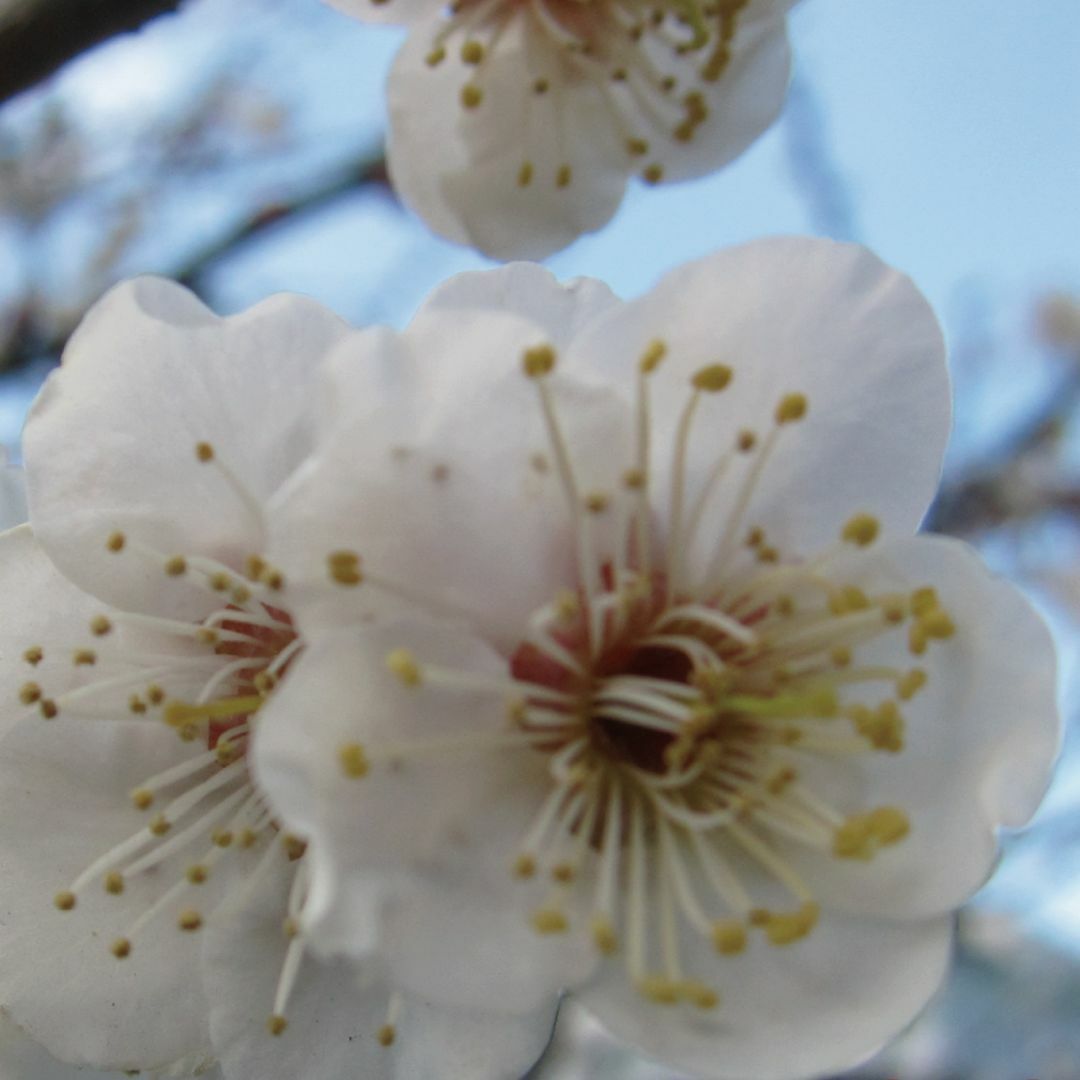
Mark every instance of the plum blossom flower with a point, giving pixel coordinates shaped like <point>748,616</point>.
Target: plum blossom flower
<point>628,673</point>
<point>515,126</point>
<point>151,901</point>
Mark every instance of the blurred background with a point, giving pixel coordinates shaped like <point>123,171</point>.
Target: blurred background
<point>236,145</point>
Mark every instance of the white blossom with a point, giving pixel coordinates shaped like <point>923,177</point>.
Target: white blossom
<point>515,126</point>
<point>627,671</point>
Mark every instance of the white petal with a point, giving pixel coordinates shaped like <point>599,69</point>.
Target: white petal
<point>426,840</point>
<point>438,436</point>
<point>23,1059</point>
<point>792,315</point>
<point>813,1008</point>
<point>110,443</point>
<point>980,741</point>
<point>63,803</point>
<point>334,1017</point>
<point>460,168</point>
<point>12,494</point>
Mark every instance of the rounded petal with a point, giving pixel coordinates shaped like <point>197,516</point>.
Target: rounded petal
<point>111,439</point>
<point>439,436</point>
<point>518,175</point>
<point>786,316</point>
<point>415,799</point>
<point>63,803</point>
<point>334,1017</point>
<point>979,745</point>
<point>810,1009</point>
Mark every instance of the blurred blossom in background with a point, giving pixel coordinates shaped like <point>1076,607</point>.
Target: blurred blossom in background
<point>236,146</point>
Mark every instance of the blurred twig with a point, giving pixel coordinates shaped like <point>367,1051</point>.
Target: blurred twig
<point>37,37</point>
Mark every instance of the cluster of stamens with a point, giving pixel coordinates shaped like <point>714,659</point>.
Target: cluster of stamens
<point>677,710</point>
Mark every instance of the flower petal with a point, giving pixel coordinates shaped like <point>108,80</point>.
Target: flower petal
<point>23,1059</point>
<point>110,443</point>
<point>812,1008</point>
<point>334,1017</point>
<point>980,738</point>
<point>791,315</point>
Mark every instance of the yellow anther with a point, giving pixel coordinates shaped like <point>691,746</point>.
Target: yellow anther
<point>155,694</point>
<point>435,57</point>
<point>254,565</point>
<point>728,937</point>
<point>160,825</point>
<point>525,174</point>
<point>840,656</point>
<point>344,567</point>
<point>597,502</point>
<point>84,657</point>
<point>538,361</point>
<point>471,95</point>
<point>207,635</point>
<point>784,928</point>
<point>884,727</point>
<point>659,989</point>
<point>792,407</point>
<point>48,708</point>
<point>290,928</point>
<point>653,356</point>
<point>893,608</point>
<point>175,566</point>
<point>265,681</point>
<point>121,948</point>
<point>937,624</point>
<point>353,760</point>
<point>204,452</point>
<point>29,693</point>
<point>755,536</point>
<point>116,541</point>
<point>781,780</point>
<point>293,846</point>
<point>223,838</point>
<point>142,798</point>
<point>114,883</point>
<point>524,866</point>
<point>564,873</point>
<point>563,175</point>
<point>64,901</point>
<point>918,639</point>
<point>387,1035</point>
<point>472,52</point>
<point>888,824</point>
<point>745,441</point>
<point>34,655</point>
<point>766,554</point>
<point>100,626</point>
<point>541,86</point>
<point>549,921</point>
<point>637,147</point>
<point>220,581</point>
<point>189,920</point>
<point>241,594</point>
<point>603,934</point>
<point>653,174</point>
<point>909,684</point>
<point>198,873</point>
<point>923,601</point>
<point>698,994</point>
<point>861,530</point>
<point>272,579</point>
<point>276,1024</point>
<point>712,378</point>
<point>403,664</point>
<point>248,838</point>
<point>854,839</point>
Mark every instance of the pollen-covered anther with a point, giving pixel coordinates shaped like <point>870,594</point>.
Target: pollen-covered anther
<point>862,834</point>
<point>100,625</point>
<point>276,1024</point>
<point>883,726</point>
<point>204,452</point>
<point>160,825</point>
<point>30,693</point>
<point>538,361</point>
<point>189,920</point>
<point>207,635</point>
<point>549,921</point>
<point>471,96</point>
<point>745,441</point>
<point>910,683</point>
<point>175,566</point>
<point>113,883</point>
<point>84,657</point>
<point>712,378</point>
<point>294,847</point>
<point>197,874</point>
<point>121,948</point>
<point>698,994</point>
<point>564,873</point>
<point>353,760</point>
<point>155,694</point>
<point>659,989</point>
<point>472,52</point>
<point>115,542</point>
<point>34,655</point>
<point>792,407</point>
<point>524,867</point>
<point>728,937</point>
<point>64,901</point>
<point>264,682</point>
<point>861,530</point>
<point>652,357</point>
<point>387,1034</point>
<point>783,928</point>
<point>222,838</point>
<point>563,175</point>
<point>344,567</point>
<point>142,798</point>
<point>48,708</point>
<point>402,663</point>
<point>597,502</point>
<point>603,934</point>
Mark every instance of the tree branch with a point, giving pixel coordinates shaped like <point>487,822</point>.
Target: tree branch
<point>37,37</point>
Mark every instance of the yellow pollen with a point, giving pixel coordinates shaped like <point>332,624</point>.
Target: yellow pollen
<point>538,361</point>
<point>154,694</point>
<point>100,626</point>
<point>222,838</point>
<point>49,708</point>
<point>917,639</point>
<point>273,579</point>
<point>923,601</point>
<point>564,873</point>
<point>784,928</point>
<point>889,824</point>
<point>116,541</point>
<point>597,502</point>
<point>197,874</point>
<point>471,95</point>
<point>220,581</point>
<point>276,1024</point>
<point>160,825</point>
<point>549,921</point>
<point>659,989</point>
<point>34,655</point>
<point>524,867</point>
<point>207,635</point>
<point>344,567</point>
<point>121,948</point>
<point>29,693</point>
<point>653,174</point>
<point>189,920</point>
<point>698,994</point>
<point>142,798</point>
<point>909,684</point>
<point>114,883</point>
<point>248,838</point>
<point>386,1035</point>
<point>861,530</point>
<point>435,57</point>
<point>654,353</point>
<point>728,937</point>
<point>64,901</point>
<point>711,379</point>
<point>204,452</point>
<point>353,760</point>
<point>637,147</point>
<point>254,566</point>
<point>84,657</point>
<point>179,713</point>
<point>525,174</point>
<point>403,664</point>
<point>563,176</point>
<point>792,407</point>
<point>176,565</point>
<point>264,682</point>
<point>603,934</point>
<point>472,52</point>
<point>937,624</point>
